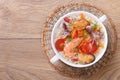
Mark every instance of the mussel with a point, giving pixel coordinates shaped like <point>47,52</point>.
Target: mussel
<point>86,58</point>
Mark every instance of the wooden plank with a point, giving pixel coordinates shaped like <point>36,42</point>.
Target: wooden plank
<point>25,18</point>
<point>24,60</point>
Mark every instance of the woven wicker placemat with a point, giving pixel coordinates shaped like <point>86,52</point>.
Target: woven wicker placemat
<point>60,66</point>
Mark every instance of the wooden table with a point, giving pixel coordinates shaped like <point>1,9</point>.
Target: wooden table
<point>21,54</point>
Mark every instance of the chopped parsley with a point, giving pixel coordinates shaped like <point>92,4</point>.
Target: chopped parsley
<point>94,25</point>
<point>68,39</point>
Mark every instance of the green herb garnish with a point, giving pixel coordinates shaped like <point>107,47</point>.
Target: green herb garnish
<point>94,25</point>
<point>85,34</point>
<point>71,22</point>
<point>98,45</point>
<point>68,39</point>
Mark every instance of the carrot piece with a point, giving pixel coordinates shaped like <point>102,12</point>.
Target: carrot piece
<point>74,34</point>
<point>82,16</point>
<point>81,32</point>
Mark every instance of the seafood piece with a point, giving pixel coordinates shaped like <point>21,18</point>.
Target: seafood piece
<point>69,49</point>
<point>80,24</point>
<point>86,58</point>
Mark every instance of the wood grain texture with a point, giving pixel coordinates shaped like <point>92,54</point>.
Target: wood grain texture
<point>21,54</point>
<point>25,18</point>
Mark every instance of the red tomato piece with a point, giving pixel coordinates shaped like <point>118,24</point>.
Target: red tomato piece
<point>66,19</point>
<point>82,49</point>
<point>94,48</point>
<point>59,44</point>
<point>74,59</point>
<point>89,47</point>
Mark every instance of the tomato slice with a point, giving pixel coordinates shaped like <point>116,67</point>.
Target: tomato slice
<point>94,48</point>
<point>66,19</point>
<point>59,44</point>
<point>88,47</point>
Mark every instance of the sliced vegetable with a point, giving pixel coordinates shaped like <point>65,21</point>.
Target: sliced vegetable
<point>89,47</point>
<point>65,28</point>
<point>59,44</point>
<point>94,35</point>
<point>74,34</point>
<point>66,19</point>
<point>88,29</point>
<point>94,48</point>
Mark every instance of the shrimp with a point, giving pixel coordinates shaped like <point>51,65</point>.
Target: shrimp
<point>69,49</point>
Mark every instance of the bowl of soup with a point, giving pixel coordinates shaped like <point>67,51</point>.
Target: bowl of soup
<point>79,39</point>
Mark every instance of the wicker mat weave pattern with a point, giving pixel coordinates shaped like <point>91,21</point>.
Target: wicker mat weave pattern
<point>60,66</point>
